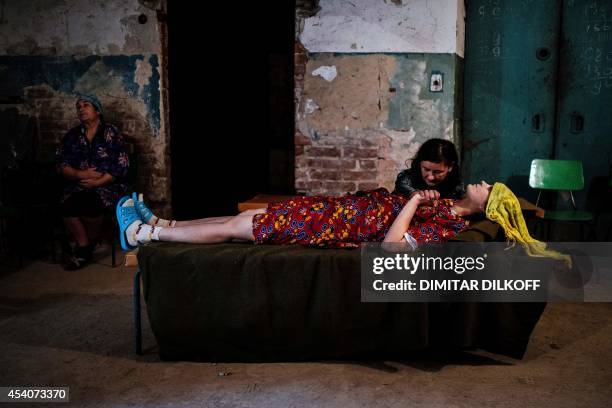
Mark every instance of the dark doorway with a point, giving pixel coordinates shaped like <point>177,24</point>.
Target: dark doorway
<point>231,104</point>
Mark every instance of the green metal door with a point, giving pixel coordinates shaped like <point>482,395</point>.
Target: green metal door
<point>584,121</point>
<point>538,84</point>
<point>509,88</point>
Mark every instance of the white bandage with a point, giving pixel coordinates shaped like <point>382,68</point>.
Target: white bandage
<point>410,240</point>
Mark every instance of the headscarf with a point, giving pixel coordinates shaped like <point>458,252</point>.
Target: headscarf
<point>504,208</point>
<point>91,99</point>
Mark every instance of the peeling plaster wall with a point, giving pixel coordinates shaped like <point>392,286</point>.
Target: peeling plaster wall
<point>76,27</point>
<point>383,26</point>
<point>356,130</point>
<point>51,50</point>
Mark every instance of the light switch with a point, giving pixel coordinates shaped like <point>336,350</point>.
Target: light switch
<point>436,81</point>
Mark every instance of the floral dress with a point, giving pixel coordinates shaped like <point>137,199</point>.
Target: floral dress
<point>436,222</point>
<point>106,152</point>
<point>340,222</point>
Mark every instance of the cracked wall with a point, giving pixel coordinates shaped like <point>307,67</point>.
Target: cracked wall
<point>386,26</point>
<point>363,99</point>
<point>112,49</point>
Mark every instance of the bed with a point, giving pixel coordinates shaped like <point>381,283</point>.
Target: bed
<point>245,302</point>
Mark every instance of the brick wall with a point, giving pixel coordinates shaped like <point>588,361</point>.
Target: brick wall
<point>108,52</point>
<point>54,113</point>
<point>358,129</point>
<point>362,95</point>
<point>331,157</point>
<point>335,165</point>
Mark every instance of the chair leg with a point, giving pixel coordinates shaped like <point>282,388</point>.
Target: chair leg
<point>53,254</point>
<point>115,232</point>
<point>113,253</point>
<point>137,314</point>
<point>21,242</point>
<point>541,228</point>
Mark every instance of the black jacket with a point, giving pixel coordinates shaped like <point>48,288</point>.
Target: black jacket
<point>407,183</point>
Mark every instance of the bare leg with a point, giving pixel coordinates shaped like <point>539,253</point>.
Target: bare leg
<point>93,227</point>
<point>217,220</point>
<point>237,227</point>
<point>199,221</point>
<point>77,230</point>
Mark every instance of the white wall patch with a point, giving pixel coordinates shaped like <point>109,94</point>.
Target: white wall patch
<point>326,72</point>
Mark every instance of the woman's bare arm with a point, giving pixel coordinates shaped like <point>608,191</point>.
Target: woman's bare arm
<point>401,223</point>
<point>76,174</point>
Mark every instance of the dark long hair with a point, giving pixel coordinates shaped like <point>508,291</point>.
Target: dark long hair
<point>437,151</point>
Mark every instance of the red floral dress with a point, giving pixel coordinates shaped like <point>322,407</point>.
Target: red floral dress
<point>340,222</point>
<point>436,222</point>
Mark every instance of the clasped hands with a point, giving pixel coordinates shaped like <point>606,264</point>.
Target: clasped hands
<point>90,178</point>
<point>425,195</point>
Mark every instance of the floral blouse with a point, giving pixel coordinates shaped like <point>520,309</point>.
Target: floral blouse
<point>106,152</point>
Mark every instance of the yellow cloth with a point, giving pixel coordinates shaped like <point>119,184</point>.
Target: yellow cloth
<point>504,208</point>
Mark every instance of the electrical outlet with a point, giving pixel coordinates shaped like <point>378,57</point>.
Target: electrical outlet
<point>436,82</point>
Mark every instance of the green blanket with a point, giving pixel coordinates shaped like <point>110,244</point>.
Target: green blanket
<point>244,302</point>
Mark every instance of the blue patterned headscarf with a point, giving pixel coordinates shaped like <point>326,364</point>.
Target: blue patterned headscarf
<point>91,99</point>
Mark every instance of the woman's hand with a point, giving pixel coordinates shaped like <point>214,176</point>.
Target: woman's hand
<point>425,195</point>
<point>89,173</point>
<point>104,179</point>
<point>91,182</point>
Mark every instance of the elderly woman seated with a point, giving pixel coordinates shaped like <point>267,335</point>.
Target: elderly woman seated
<point>344,221</point>
<point>93,161</point>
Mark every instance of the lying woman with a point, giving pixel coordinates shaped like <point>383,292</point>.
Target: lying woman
<point>343,221</point>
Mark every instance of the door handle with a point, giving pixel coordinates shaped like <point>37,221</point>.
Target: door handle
<point>538,123</point>
<point>576,122</point>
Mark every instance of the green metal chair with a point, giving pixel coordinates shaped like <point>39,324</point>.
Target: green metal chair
<point>559,175</point>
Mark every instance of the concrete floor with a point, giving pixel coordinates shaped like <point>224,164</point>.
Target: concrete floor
<point>74,329</point>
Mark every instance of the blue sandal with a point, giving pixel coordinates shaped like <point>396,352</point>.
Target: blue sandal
<point>142,210</point>
<point>125,217</point>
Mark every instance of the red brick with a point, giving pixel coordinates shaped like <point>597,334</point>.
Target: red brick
<point>359,175</point>
<point>384,142</point>
<point>300,69</point>
<point>299,150</point>
<point>322,151</point>
<point>161,173</point>
<point>325,175</point>
<point>301,139</point>
<point>56,115</point>
<point>367,164</point>
<point>300,53</point>
<point>301,162</point>
<point>142,127</point>
<point>368,142</point>
<point>45,105</point>
<point>147,159</point>
<point>51,137</point>
<point>39,92</point>
<point>309,185</point>
<point>339,186</point>
<point>365,153</point>
<point>327,163</point>
<point>128,126</point>
<point>301,174</point>
<point>54,126</point>
<point>367,186</point>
